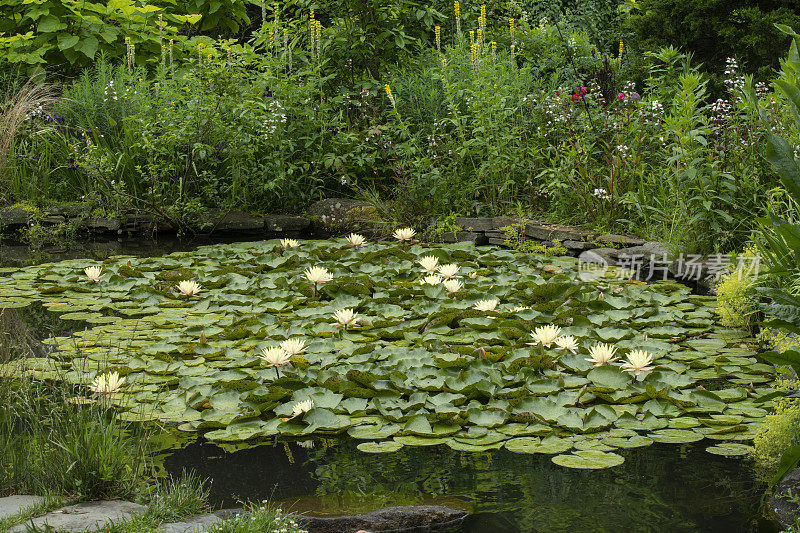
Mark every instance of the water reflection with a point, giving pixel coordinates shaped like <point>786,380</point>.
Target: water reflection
<point>660,488</point>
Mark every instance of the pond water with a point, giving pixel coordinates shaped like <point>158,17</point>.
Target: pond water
<point>675,488</point>
<point>659,488</point>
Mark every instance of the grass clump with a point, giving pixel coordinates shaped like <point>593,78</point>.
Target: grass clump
<point>56,440</point>
<point>259,519</point>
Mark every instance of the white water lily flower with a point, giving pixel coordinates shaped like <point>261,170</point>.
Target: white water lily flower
<point>473,274</point>
<point>429,263</point>
<point>485,305</point>
<point>302,407</point>
<point>289,243</point>
<point>431,279</point>
<point>354,239</point>
<point>567,343</point>
<point>274,356</point>
<point>453,285</point>
<point>404,234</point>
<point>346,317</point>
<point>189,287</point>
<point>546,335</point>
<point>318,274</point>
<point>448,271</point>
<point>602,354</point>
<point>293,346</point>
<point>108,383</point>
<point>638,362</point>
<point>93,273</point>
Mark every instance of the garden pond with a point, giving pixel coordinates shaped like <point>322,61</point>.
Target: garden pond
<point>430,395</point>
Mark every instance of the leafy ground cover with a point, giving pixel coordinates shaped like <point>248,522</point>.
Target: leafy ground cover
<point>262,344</point>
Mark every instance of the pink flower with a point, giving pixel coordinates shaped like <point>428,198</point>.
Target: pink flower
<point>621,97</point>
<point>583,90</point>
<point>575,97</point>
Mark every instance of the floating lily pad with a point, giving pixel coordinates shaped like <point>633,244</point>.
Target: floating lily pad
<point>386,446</point>
<point>589,459</point>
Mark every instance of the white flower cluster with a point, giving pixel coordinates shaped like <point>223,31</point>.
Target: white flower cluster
<point>733,80</point>
<point>275,116</point>
<point>37,112</point>
<point>602,194</point>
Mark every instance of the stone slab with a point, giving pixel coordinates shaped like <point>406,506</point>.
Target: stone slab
<point>621,240</point>
<point>426,518</point>
<point>286,223</point>
<point>463,236</point>
<point>195,524</point>
<point>13,505</point>
<point>577,245</point>
<point>784,504</point>
<point>14,217</point>
<point>100,225</point>
<point>238,221</point>
<point>86,516</point>
<point>475,224</point>
<point>549,232</point>
<point>502,222</point>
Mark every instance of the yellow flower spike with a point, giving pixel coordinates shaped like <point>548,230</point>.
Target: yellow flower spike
<point>438,30</point>
<point>457,9</point>
<point>472,37</point>
<point>511,28</point>
<point>621,49</point>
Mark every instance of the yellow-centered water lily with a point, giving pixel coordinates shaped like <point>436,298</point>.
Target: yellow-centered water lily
<point>189,287</point>
<point>568,343</point>
<point>293,346</point>
<point>107,383</point>
<point>485,305</point>
<point>289,243</point>
<point>430,279</point>
<point>302,407</point>
<point>545,335</point>
<point>602,354</point>
<point>404,234</point>
<point>448,271</point>
<point>429,263</point>
<point>318,274</point>
<point>93,273</point>
<point>274,356</point>
<point>638,362</point>
<point>453,285</point>
<point>356,240</point>
<point>346,317</point>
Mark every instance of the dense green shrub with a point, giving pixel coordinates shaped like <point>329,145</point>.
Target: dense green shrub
<point>714,30</point>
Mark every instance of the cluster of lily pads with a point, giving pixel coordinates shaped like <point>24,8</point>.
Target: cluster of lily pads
<point>400,343</point>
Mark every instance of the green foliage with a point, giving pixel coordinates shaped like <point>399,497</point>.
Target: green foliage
<point>72,33</point>
<point>736,300</point>
<point>714,30</point>
<point>258,519</point>
<point>780,436</point>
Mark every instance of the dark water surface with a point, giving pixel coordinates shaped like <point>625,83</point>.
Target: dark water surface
<point>661,488</point>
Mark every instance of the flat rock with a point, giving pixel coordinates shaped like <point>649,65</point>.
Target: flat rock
<point>502,222</point>
<point>69,211</point>
<point>463,236</point>
<point>13,505</point>
<point>100,225</point>
<point>238,221</point>
<point>194,524</point>
<point>286,223</point>
<point>550,232</point>
<point>401,519</point>
<point>784,504</point>
<point>87,516</point>
<point>577,245</point>
<point>621,240</point>
<point>332,211</point>
<point>14,217</point>
<point>475,224</point>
